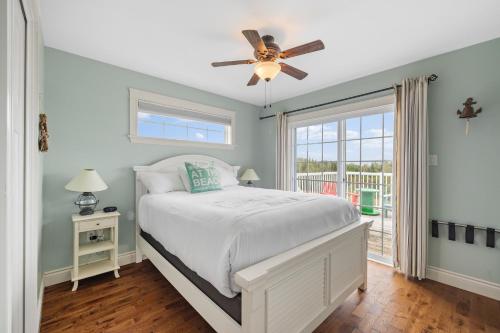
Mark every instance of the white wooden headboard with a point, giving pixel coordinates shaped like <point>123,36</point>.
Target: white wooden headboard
<point>170,165</point>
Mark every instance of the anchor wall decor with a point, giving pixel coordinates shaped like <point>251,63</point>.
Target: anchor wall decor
<point>468,112</point>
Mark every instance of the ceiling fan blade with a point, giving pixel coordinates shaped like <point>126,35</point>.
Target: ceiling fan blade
<point>302,49</point>
<point>253,38</point>
<point>292,71</point>
<point>234,62</point>
<point>253,80</point>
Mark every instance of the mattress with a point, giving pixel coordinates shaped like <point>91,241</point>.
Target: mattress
<point>218,233</point>
<point>230,305</point>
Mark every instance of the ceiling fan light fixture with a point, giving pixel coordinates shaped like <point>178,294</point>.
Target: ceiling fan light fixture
<point>267,70</point>
<point>266,52</point>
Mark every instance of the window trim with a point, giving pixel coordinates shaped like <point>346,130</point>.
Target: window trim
<point>137,95</point>
<point>341,112</point>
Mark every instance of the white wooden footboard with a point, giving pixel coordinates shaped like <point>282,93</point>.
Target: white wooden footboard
<point>291,292</point>
<point>297,290</point>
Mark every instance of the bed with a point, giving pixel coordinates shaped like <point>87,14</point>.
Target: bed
<point>304,266</point>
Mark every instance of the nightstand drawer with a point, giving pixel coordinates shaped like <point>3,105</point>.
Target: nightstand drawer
<point>97,224</point>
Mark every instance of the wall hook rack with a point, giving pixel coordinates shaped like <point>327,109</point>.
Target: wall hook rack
<point>469,231</point>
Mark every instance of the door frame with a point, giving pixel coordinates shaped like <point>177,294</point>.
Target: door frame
<point>337,114</point>
<point>32,213</point>
<point>33,283</point>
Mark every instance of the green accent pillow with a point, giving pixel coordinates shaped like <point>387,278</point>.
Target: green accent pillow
<point>202,179</point>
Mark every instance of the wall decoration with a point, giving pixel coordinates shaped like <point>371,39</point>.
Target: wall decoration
<point>43,136</point>
<point>468,112</point>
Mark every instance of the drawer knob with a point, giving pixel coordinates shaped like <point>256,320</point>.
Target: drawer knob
<point>98,223</point>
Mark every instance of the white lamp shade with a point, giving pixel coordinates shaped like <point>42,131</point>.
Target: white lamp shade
<point>267,70</point>
<point>250,174</point>
<point>87,181</point>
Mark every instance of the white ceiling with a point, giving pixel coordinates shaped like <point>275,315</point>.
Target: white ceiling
<point>177,40</point>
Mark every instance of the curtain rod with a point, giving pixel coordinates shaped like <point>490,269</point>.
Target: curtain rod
<point>432,78</point>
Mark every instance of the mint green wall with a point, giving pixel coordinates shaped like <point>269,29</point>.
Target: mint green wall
<point>88,116</point>
<point>465,186</point>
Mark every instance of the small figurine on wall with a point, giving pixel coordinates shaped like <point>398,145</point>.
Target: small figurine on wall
<point>43,136</point>
<point>468,112</point>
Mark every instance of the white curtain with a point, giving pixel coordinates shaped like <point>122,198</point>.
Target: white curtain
<point>410,255</point>
<point>282,168</point>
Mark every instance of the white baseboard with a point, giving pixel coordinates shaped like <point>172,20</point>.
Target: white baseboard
<point>64,274</point>
<point>465,282</point>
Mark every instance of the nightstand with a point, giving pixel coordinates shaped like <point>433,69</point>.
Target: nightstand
<point>97,221</point>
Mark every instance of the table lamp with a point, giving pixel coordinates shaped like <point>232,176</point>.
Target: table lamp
<point>87,181</point>
<point>249,175</point>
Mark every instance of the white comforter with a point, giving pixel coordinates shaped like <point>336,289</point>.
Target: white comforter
<point>218,233</point>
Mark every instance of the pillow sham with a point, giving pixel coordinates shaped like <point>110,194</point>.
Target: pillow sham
<point>161,182</point>
<point>202,179</point>
<point>226,177</point>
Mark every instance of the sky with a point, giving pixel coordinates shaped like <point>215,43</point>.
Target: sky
<point>158,126</point>
<point>364,140</point>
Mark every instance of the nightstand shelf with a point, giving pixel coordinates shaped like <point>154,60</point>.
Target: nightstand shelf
<point>95,247</point>
<point>83,224</point>
<point>95,268</point>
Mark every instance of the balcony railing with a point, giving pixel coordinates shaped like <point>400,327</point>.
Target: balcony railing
<point>379,242</point>
<point>355,181</point>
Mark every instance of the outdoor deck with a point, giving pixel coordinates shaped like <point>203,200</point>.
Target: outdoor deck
<point>380,243</point>
<point>380,238</point>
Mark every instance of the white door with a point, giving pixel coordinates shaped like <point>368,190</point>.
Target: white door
<point>16,170</point>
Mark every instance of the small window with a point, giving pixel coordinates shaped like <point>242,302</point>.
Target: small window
<point>160,119</point>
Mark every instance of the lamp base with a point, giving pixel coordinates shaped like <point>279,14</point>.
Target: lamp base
<point>86,211</point>
<point>250,183</point>
<point>87,202</point>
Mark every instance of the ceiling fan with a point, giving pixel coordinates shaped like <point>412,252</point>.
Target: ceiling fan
<point>267,52</point>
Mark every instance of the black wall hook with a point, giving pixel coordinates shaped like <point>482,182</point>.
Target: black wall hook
<point>451,231</point>
<point>490,237</point>
<point>435,229</point>
<point>469,234</point>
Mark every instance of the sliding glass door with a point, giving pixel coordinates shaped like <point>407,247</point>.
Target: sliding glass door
<point>351,157</point>
<point>316,158</point>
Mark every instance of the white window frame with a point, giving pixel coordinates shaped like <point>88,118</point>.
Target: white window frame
<point>137,95</point>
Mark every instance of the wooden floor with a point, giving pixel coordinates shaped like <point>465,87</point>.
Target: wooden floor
<point>141,300</point>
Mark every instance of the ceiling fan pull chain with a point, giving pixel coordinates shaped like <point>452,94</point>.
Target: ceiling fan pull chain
<point>270,95</point>
<point>265,95</point>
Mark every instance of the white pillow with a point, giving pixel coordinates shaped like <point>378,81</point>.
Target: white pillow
<point>184,178</point>
<point>226,178</point>
<point>161,182</point>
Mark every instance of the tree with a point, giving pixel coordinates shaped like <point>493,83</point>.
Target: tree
<point>304,166</point>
